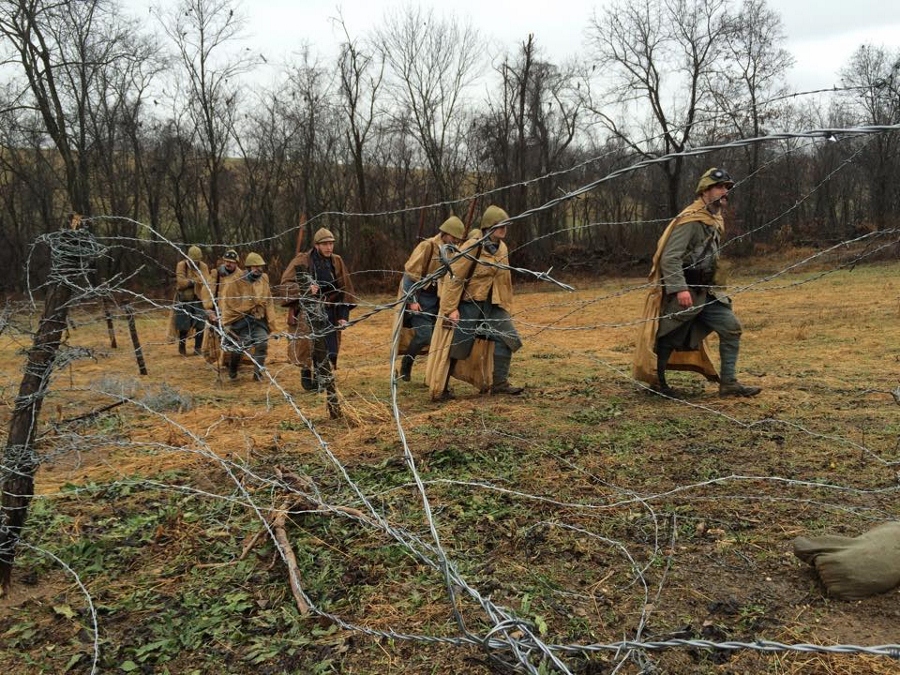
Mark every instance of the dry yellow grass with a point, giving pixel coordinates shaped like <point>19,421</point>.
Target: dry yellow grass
<point>821,343</point>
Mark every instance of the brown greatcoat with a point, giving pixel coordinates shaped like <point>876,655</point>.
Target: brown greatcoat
<point>300,347</point>
<point>241,297</point>
<point>696,360</point>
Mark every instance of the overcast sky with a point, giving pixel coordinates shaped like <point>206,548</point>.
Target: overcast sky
<point>821,34</point>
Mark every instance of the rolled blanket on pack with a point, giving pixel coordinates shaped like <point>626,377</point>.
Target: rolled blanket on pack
<point>855,567</point>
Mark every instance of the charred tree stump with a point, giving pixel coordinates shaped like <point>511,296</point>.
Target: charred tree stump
<point>71,252</point>
<point>135,340</point>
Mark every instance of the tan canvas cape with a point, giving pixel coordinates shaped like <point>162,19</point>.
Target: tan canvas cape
<point>644,363</point>
<point>855,567</point>
<point>477,369</point>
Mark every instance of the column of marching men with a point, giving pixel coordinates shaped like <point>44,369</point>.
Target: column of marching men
<point>456,305</point>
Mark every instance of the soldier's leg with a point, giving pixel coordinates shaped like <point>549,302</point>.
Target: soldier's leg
<point>720,318</point>
<point>260,338</point>
<point>182,342</point>
<point>198,338</point>
<point>423,326</point>
<point>506,341</point>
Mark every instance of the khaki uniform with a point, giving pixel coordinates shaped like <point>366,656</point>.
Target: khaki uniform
<point>483,294</point>
<point>212,298</point>
<point>248,317</point>
<point>687,234</point>
<point>190,279</point>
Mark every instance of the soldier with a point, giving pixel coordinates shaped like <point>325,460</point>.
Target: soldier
<point>686,299</point>
<point>317,290</point>
<point>422,306</point>
<point>476,302</point>
<point>190,278</point>
<point>212,295</point>
<point>248,315</point>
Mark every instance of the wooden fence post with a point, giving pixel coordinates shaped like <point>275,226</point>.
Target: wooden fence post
<point>135,340</point>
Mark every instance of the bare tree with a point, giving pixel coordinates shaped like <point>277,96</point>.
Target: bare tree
<point>527,132</point>
<point>202,31</point>
<point>749,89</point>
<point>872,78</point>
<point>61,49</point>
<point>660,56</point>
<point>432,61</point>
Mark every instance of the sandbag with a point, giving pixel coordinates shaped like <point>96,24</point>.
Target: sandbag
<point>855,567</point>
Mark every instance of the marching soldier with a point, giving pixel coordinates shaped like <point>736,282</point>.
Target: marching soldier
<point>422,307</point>
<point>248,315</point>
<point>190,278</point>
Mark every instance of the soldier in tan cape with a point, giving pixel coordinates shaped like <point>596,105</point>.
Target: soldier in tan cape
<point>318,292</point>
<point>475,314</point>
<point>248,316</point>
<point>685,303</point>
<point>421,307</point>
<point>191,275</point>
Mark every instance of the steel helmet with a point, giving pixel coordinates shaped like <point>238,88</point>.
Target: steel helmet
<point>492,216</point>
<point>254,260</point>
<point>454,227</point>
<point>195,254</point>
<point>713,177</point>
<point>322,236</point>
<point>231,255</point>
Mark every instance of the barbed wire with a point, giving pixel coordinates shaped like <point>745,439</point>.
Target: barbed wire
<point>507,636</point>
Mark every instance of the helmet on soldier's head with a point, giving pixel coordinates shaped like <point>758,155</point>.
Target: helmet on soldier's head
<point>492,216</point>
<point>322,236</point>
<point>195,254</point>
<point>254,260</point>
<point>231,255</point>
<point>454,227</point>
<point>475,233</point>
<point>714,177</point>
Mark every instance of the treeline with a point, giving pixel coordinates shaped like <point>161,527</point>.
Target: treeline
<point>165,123</point>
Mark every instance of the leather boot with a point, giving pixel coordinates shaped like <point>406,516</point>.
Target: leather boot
<point>198,343</point>
<point>182,340</point>
<point>501,377</point>
<point>307,381</point>
<point>735,388</point>
<point>234,361</point>
<point>406,367</point>
<point>506,388</point>
<point>260,368</point>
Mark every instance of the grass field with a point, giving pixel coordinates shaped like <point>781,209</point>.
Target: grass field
<point>586,512</point>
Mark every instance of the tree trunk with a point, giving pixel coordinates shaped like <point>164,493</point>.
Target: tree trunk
<point>20,461</point>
